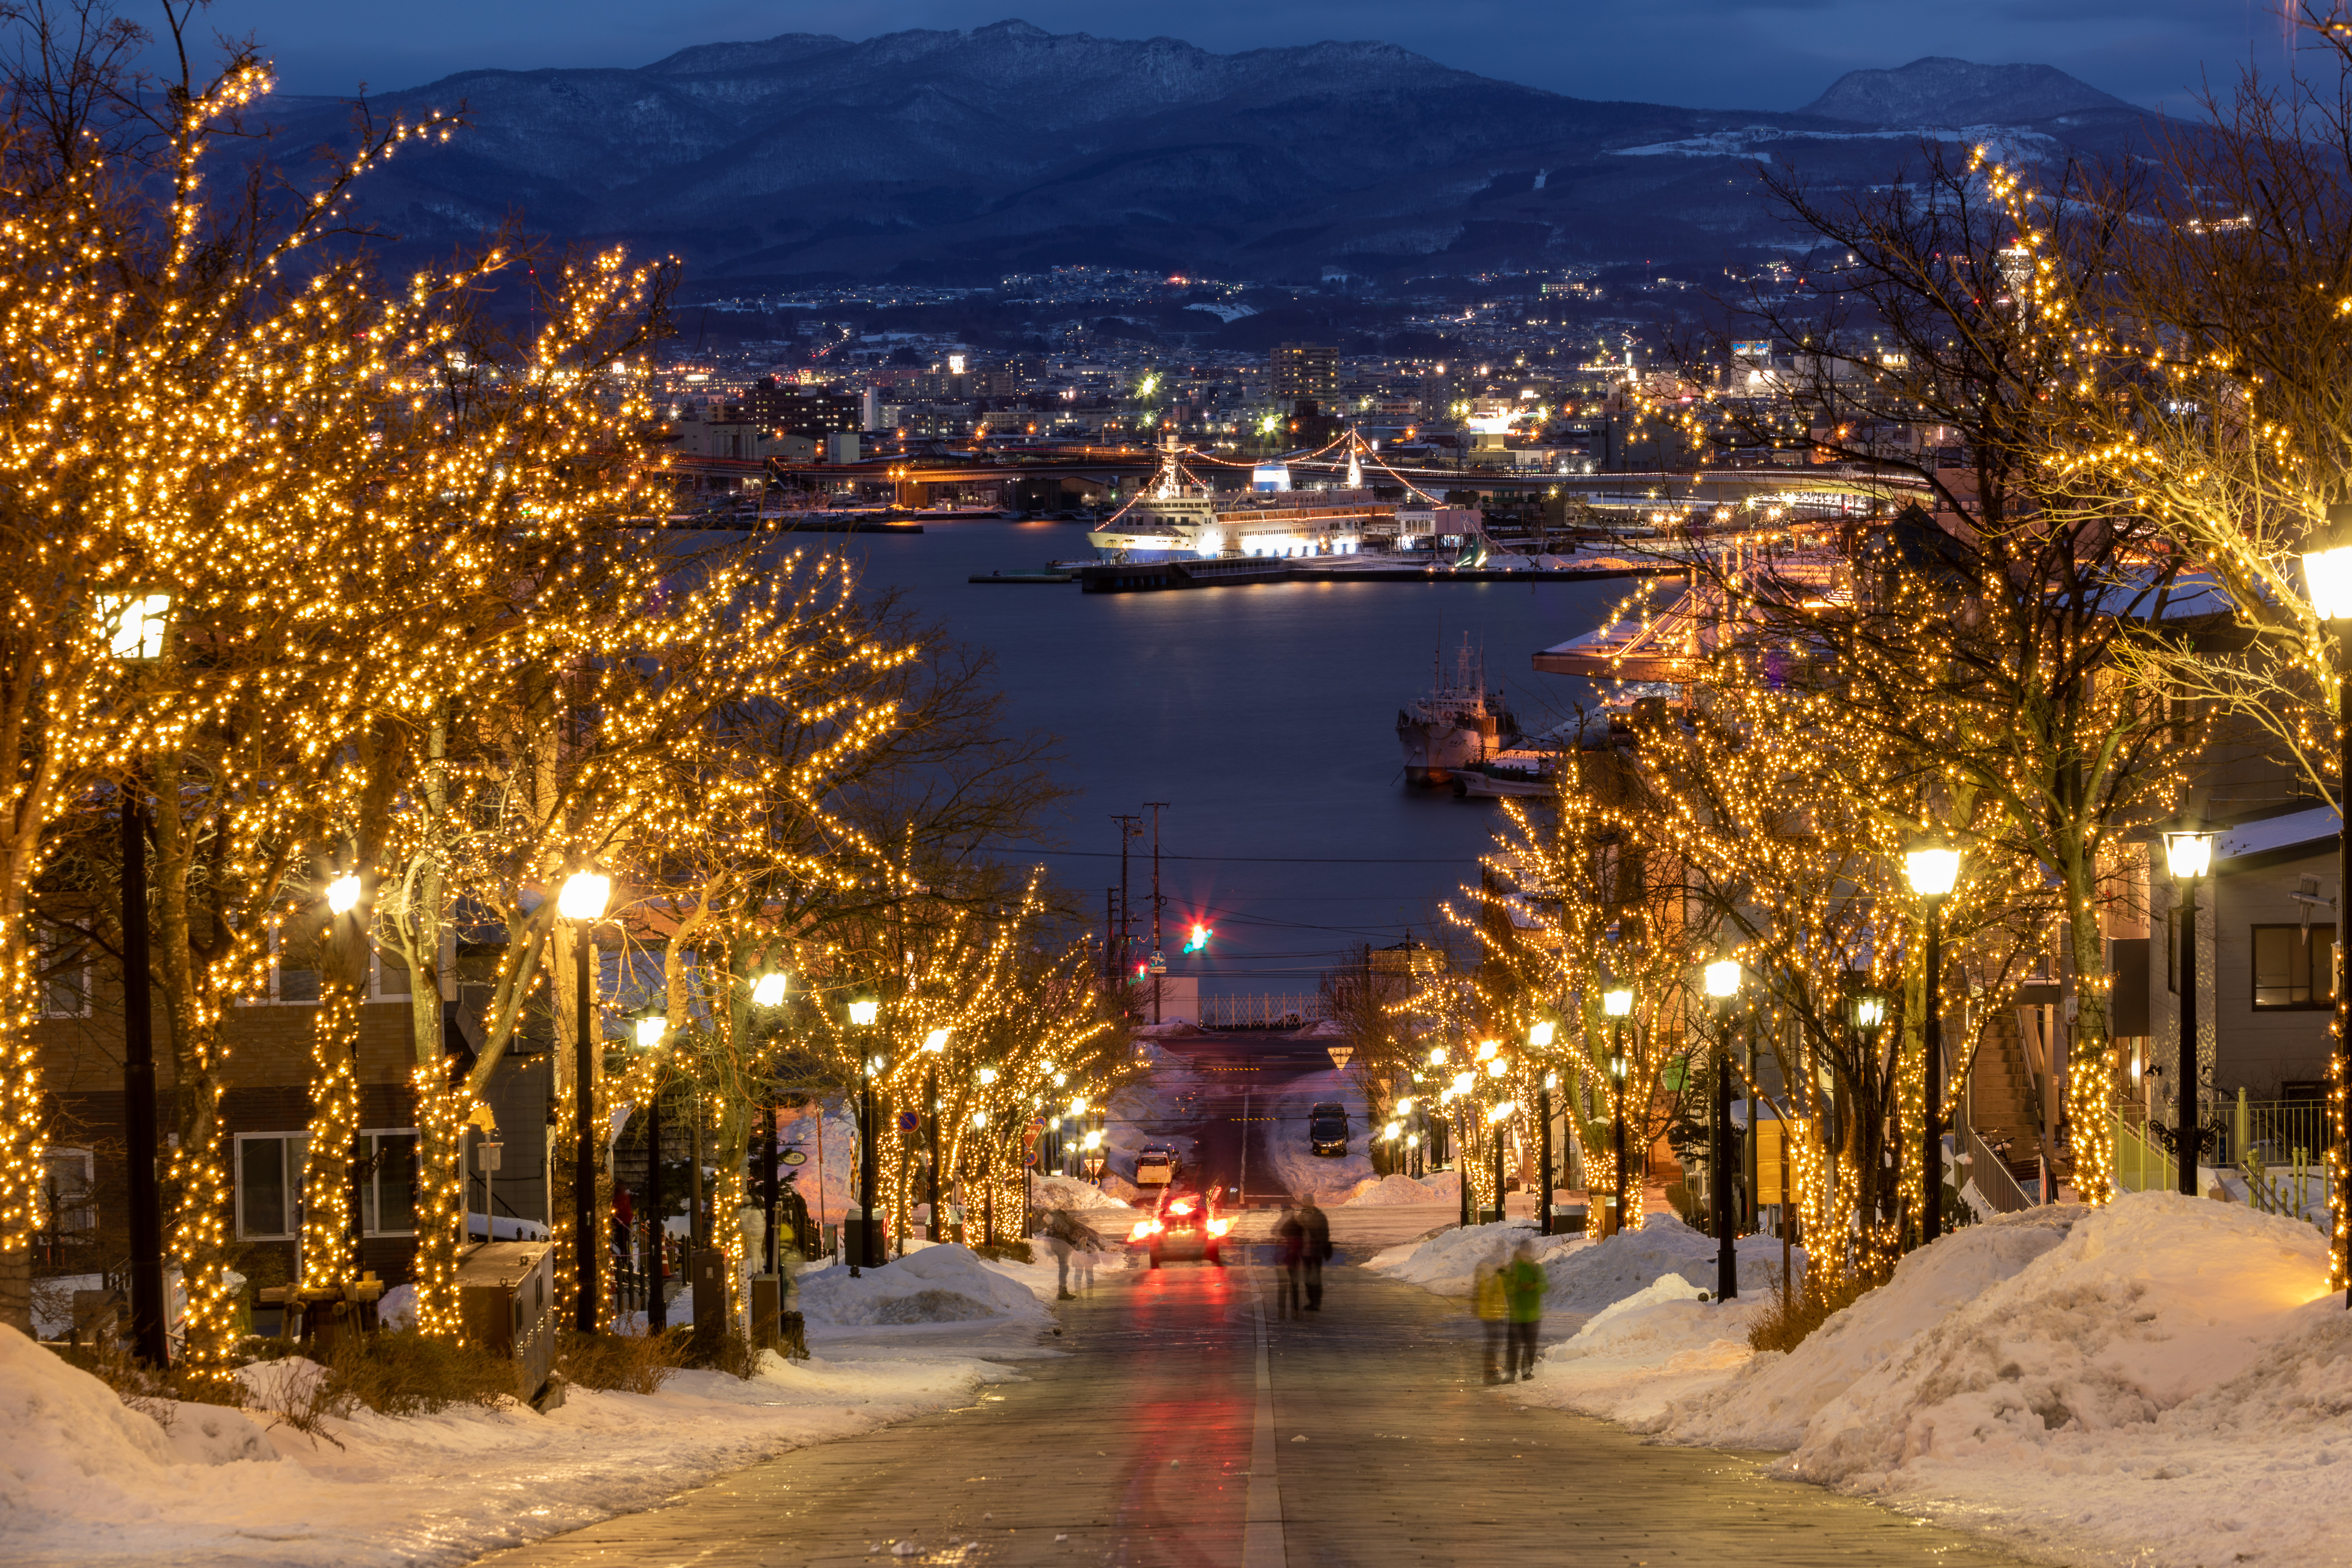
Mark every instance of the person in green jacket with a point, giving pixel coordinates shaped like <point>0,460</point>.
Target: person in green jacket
<point>1523,1285</point>
<point>1491,1301</point>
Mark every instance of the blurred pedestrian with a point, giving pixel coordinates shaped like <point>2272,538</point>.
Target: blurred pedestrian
<point>1491,1300</point>
<point>1062,1238</point>
<point>1290,1250</point>
<point>1523,1285</point>
<point>1316,1250</point>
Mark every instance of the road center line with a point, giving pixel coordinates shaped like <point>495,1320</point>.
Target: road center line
<point>1262,1543</point>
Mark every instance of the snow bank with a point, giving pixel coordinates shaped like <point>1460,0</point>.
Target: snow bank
<point>944,1284</point>
<point>1445,1262</point>
<point>1065,1193</point>
<point>1584,1276</point>
<point>85,1479</point>
<point>1386,1191</point>
<point>2161,1381</point>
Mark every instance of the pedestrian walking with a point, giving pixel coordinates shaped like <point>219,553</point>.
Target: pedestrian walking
<point>1523,1287</point>
<point>1316,1249</point>
<point>1062,1238</point>
<point>1290,1250</point>
<point>1491,1300</point>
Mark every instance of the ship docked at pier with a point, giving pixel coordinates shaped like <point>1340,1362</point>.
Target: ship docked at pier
<point>1176,520</point>
<point>1461,725</point>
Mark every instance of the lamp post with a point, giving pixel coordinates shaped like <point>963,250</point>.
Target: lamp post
<point>1722,986</point>
<point>768,990</point>
<point>583,902</point>
<point>2328,572</point>
<point>935,1045</point>
<point>2188,855</point>
<point>343,898</point>
<point>863,1011</point>
<point>652,1030</point>
<point>1932,869</point>
<point>133,626</point>
<point>1539,1039</point>
<point>1438,1056</point>
<point>1618,1005</point>
<point>1490,1052</point>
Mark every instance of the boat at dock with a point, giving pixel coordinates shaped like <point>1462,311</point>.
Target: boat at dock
<point>1459,724</point>
<point>1513,770</point>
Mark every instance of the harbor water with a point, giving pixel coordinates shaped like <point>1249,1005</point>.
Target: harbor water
<point>1264,715</point>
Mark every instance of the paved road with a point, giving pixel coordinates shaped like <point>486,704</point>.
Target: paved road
<point>1172,1437</point>
<point>1244,1075</point>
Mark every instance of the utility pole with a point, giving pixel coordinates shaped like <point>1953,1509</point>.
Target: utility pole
<point>1129,826</point>
<point>1159,953</point>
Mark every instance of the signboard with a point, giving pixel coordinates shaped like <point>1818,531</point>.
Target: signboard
<point>794,1157</point>
<point>1771,1164</point>
<point>1032,1136</point>
<point>1340,1055</point>
<point>908,1122</point>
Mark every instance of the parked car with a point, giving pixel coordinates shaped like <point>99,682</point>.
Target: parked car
<point>1327,1129</point>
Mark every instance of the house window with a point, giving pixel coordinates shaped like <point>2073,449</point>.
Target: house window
<point>388,976</point>
<point>65,981</point>
<point>270,1184</point>
<point>388,1182</point>
<point>2294,967</point>
<point>69,1201</point>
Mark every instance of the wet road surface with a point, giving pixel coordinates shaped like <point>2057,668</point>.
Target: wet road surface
<point>1192,1427</point>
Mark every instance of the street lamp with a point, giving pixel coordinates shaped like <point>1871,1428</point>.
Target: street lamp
<point>2188,855</point>
<point>1539,1037</point>
<point>863,1011</point>
<point>133,627</point>
<point>1722,986</point>
<point>768,990</point>
<point>1932,868</point>
<point>935,1045</point>
<point>2328,570</point>
<point>1618,1006</point>
<point>581,901</point>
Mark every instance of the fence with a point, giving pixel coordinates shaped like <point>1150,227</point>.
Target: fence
<point>1990,1175</point>
<point>1264,1012</point>
<point>2142,1164</point>
<point>2272,1132</point>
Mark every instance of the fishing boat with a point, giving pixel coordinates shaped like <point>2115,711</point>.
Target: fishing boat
<point>1459,724</point>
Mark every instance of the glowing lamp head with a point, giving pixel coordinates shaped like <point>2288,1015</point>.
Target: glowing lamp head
<point>1502,1112</point>
<point>343,895</point>
<point>936,1041</point>
<point>1539,1037</point>
<point>1093,1141</point>
<point>1404,1106</point>
<point>1552,1081</point>
<point>2327,565</point>
<point>1723,978</point>
<point>584,896</point>
<point>2188,852</point>
<point>1869,1010</point>
<point>1618,1003</point>
<point>864,1010</point>
<point>650,1030</point>
<point>768,990</point>
<point>1464,1082</point>
<point>1497,1068</point>
<point>1413,1140</point>
<point>134,624</point>
<point>1437,1055</point>
<point>980,1119</point>
<point>986,1074</point>
<point>1486,1050</point>
<point>1932,869</point>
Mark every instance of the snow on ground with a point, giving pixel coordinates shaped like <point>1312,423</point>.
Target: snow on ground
<point>942,1284</point>
<point>1385,1191</point>
<point>1280,1158</point>
<point>1585,1276</point>
<point>1066,1193</point>
<point>2160,1383</point>
<point>86,1480</point>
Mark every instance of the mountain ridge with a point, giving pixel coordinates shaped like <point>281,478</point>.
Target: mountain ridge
<point>958,155</point>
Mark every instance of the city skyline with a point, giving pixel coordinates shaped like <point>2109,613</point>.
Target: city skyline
<point>1700,53</point>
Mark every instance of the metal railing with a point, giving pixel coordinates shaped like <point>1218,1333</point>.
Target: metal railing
<point>2142,1164</point>
<point>2270,1131</point>
<point>1264,1012</point>
<point>1991,1175</point>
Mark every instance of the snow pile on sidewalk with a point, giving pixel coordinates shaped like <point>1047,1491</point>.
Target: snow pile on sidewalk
<point>1444,1262</point>
<point>1444,1187</point>
<point>1066,1193</point>
<point>1640,1353</point>
<point>2162,1381</point>
<point>942,1284</point>
<point>1386,1191</point>
<point>1596,1275</point>
<point>84,1478</point>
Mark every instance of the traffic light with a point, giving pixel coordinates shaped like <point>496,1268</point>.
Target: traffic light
<point>1199,941</point>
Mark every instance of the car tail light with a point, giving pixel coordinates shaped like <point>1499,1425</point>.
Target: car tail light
<point>1180,1209</point>
<point>1142,1231</point>
<point>1219,1226</point>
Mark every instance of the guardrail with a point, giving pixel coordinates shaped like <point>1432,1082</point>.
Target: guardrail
<point>1262,1012</point>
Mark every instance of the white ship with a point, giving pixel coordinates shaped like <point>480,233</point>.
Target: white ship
<point>1173,521</point>
<point>1460,724</point>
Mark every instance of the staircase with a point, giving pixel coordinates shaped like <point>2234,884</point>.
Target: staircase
<point>2004,1102</point>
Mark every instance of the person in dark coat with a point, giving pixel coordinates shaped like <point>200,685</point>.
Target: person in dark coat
<point>1290,1250</point>
<point>1317,1224</point>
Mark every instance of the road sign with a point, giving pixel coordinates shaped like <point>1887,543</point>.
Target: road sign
<point>908,1122</point>
<point>1340,1055</point>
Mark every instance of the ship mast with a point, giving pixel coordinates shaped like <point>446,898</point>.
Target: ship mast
<point>1355,462</point>
<point>1169,484</point>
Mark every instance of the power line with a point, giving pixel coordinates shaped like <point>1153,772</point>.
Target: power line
<point>1256,860</point>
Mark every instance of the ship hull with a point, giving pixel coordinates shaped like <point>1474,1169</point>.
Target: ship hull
<point>1435,748</point>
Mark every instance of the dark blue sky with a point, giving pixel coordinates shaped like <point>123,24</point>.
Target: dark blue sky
<point>1750,54</point>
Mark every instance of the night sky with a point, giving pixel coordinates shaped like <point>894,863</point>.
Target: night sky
<point>1705,53</point>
